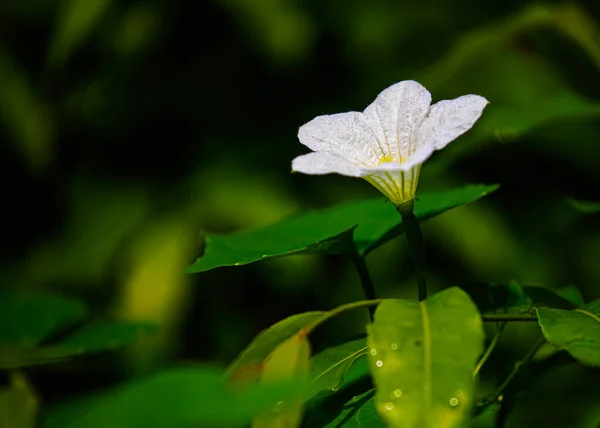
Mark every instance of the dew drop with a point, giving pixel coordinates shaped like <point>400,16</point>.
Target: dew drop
<point>394,346</point>
<point>454,401</point>
<point>397,393</point>
<point>389,405</point>
<point>373,351</point>
<point>237,264</point>
<point>379,363</point>
<point>279,403</point>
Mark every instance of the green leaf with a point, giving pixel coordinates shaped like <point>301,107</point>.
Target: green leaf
<point>75,22</point>
<point>89,339</point>
<point>176,398</point>
<point>105,336</point>
<point>576,331</point>
<point>289,361</point>
<point>18,403</point>
<point>345,229</point>
<point>568,297</point>
<point>26,318</point>
<point>487,417</point>
<point>586,207</point>
<point>330,369</point>
<point>422,357</point>
<point>503,298</point>
<point>358,412</point>
<point>267,340</point>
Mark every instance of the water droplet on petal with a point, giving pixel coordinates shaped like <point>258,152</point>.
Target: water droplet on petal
<point>454,401</point>
<point>373,351</point>
<point>379,363</point>
<point>397,393</point>
<point>389,405</point>
<point>394,346</point>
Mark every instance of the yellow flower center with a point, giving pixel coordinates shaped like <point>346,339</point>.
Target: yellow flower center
<point>388,158</point>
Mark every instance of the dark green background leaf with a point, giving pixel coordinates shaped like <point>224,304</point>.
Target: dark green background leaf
<point>358,412</point>
<point>177,398</point>
<point>576,331</point>
<point>27,318</point>
<point>328,230</point>
<point>330,368</point>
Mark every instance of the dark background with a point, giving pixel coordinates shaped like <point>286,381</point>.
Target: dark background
<point>128,127</point>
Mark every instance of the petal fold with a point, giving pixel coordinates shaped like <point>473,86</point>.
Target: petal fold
<point>319,163</point>
<point>397,113</point>
<point>449,119</point>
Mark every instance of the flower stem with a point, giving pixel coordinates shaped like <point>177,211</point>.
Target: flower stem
<point>508,317</point>
<point>366,281</point>
<point>334,312</point>
<point>526,360</point>
<point>490,348</point>
<point>416,249</point>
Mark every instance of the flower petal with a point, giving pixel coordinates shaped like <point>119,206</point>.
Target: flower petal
<point>397,113</point>
<point>449,119</point>
<point>324,163</point>
<point>347,135</point>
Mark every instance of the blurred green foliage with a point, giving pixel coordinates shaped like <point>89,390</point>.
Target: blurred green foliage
<point>128,128</point>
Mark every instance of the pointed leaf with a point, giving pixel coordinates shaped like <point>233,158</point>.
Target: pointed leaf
<point>330,369</point>
<point>288,362</point>
<point>358,226</point>
<point>357,413</point>
<point>175,398</point>
<point>422,357</point>
<point>267,340</point>
<point>27,319</point>
<point>576,331</point>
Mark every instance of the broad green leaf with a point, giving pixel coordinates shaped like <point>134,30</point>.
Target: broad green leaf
<point>175,398</point>
<point>89,339</point>
<point>330,368</point>
<point>345,229</point>
<point>18,403</point>
<point>422,357</point>
<point>576,331</point>
<point>358,413</point>
<point>28,318</point>
<point>288,362</point>
<point>586,207</point>
<point>267,340</point>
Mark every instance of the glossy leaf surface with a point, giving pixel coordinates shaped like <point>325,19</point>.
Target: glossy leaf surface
<point>422,357</point>
<point>357,226</point>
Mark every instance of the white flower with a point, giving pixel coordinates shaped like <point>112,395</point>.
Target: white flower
<point>388,142</point>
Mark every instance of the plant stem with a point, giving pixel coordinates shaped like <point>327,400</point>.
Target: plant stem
<point>508,317</point>
<point>490,348</point>
<point>332,313</point>
<point>365,281</point>
<point>526,360</point>
<point>416,249</point>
